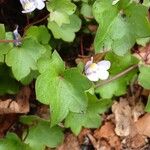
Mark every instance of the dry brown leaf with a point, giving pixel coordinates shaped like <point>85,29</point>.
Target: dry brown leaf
<point>122,112</point>
<point>143,125</point>
<point>136,142</point>
<point>137,110</point>
<point>43,111</point>
<point>83,134</point>
<point>70,143</point>
<point>106,132</point>
<point>19,105</point>
<point>6,121</point>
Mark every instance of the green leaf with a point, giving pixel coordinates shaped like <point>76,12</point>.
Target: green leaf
<point>118,64</point>
<point>115,88</point>
<point>11,141</point>
<point>5,47</point>
<point>119,25</point>
<point>24,59</point>
<point>66,31</point>
<point>8,85</point>
<point>39,33</point>
<point>62,89</point>
<point>2,31</point>
<point>60,11</point>
<point>29,119</point>
<point>44,64</point>
<point>1,58</point>
<point>147,108</point>
<point>144,76</point>
<point>89,119</point>
<point>86,10</point>
<point>59,17</point>
<point>146,3</point>
<point>28,79</point>
<point>61,5</point>
<point>41,135</point>
<point>143,41</point>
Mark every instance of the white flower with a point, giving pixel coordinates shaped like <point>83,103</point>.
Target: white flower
<point>31,5</point>
<point>94,71</point>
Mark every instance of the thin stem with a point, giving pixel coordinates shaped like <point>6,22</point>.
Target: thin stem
<point>33,23</point>
<point>8,41</point>
<point>117,76</point>
<point>38,21</point>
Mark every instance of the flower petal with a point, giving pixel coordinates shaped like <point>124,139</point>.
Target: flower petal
<point>93,77</point>
<point>28,6</point>
<point>93,68</point>
<point>103,75</point>
<point>40,4</point>
<point>88,63</point>
<point>104,65</point>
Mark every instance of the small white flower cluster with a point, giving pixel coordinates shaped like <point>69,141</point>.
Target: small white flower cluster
<point>31,5</point>
<point>96,71</point>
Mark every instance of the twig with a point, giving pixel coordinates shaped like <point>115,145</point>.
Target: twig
<point>117,76</point>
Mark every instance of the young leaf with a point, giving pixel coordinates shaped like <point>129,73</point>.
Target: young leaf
<point>146,3</point>
<point>66,31</point>
<point>12,141</point>
<point>23,59</point>
<point>60,10</point>
<point>62,89</point>
<point>119,25</point>
<point>144,76</point>
<point>118,87</point>
<point>89,119</point>
<point>41,135</point>
<point>86,10</point>
<point>61,5</point>
<point>59,17</point>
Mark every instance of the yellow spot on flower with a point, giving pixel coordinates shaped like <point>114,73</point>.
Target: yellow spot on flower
<point>93,66</point>
<point>28,5</point>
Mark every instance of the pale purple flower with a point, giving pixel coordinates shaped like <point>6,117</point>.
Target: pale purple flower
<point>17,37</point>
<point>96,71</point>
<point>31,5</point>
